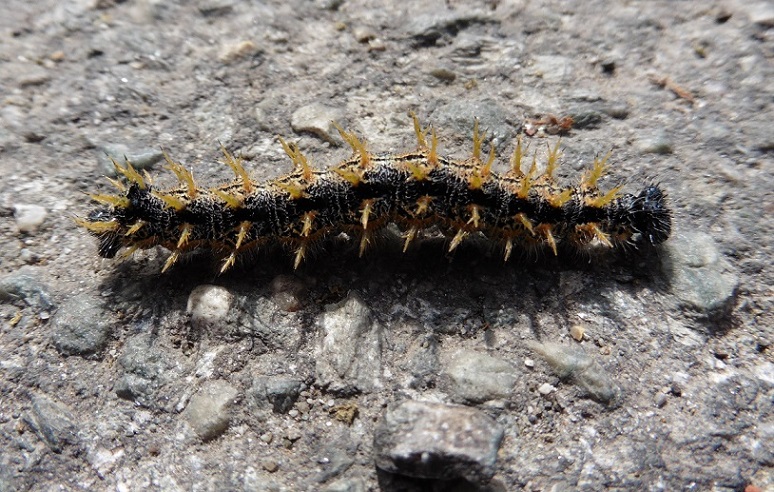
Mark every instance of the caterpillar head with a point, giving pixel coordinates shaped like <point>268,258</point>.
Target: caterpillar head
<point>650,215</point>
<point>109,240</point>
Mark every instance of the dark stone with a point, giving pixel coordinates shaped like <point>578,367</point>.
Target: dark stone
<point>80,326</point>
<point>52,422</point>
<point>280,392</point>
<point>437,441</point>
<point>23,285</point>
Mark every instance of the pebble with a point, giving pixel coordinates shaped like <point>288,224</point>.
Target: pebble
<point>577,332</point>
<point>80,326</point>
<point>346,412</point>
<point>443,74</point>
<point>287,292</point>
<point>676,389</point>
<point>614,109</point>
<point>546,389</point>
<point>208,305</point>
<point>216,8</point>
<point>584,371</point>
<point>281,392</point>
<point>701,278</point>
<point>23,285</point>
<point>267,437</point>
<point>209,410</point>
<point>660,400</point>
<point>53,422</point>
<point>529,363</point>
<point>31,136</point>
<point>28,74</point>
<point>29,217</point>
<point>477,377</point>
<point>236,51</point>
<point>270,465</point>
<point>293,435</point>
<point>317,118</point>
<point>28,256</point>
<point>349,355</point>
<point>585,119</point>
<point>140,158</point>
<point>658,144</point>
<point>376,45</point>
<point>437,441</point>
<point>286,301</point>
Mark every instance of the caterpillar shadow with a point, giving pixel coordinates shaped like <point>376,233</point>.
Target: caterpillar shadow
<point>475,275</point>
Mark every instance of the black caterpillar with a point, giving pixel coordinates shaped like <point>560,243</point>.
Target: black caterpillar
<point>415,190</point>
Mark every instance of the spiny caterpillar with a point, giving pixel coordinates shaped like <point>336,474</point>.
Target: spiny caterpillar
<point>415,191</point>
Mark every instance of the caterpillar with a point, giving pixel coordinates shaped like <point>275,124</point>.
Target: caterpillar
<point>415,190</point>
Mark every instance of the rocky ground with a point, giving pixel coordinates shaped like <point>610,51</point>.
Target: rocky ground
<point>646,372</point>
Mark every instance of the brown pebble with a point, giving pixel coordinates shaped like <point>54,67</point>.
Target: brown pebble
<point>270,465</point>
<point>287,301</point>
<point>443,74</point>
<point>345,413</point>
<point>577,332</point>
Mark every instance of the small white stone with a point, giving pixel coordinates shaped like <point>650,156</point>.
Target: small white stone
<point>29,217</point>
<point>209,304</point>
<point>209,411</point>
<point>529,362</point>
<point>317,118</point>
<point>546,389</point>
<point>235,51</point>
